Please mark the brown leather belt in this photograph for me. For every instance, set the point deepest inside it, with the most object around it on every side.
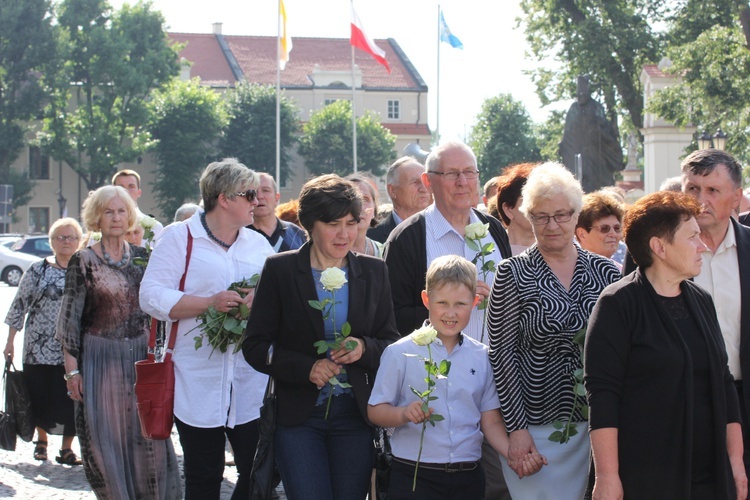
(455, 467)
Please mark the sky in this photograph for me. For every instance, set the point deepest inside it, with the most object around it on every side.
(491, 63)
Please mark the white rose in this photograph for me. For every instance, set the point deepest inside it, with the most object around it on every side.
(332, 279)
(147, 222)
(424, 336)
(476, 231)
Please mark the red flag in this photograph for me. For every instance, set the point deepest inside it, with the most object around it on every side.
(360, 40)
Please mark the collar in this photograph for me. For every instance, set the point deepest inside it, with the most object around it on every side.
(729, 241)
(197, 230)
(440, 225)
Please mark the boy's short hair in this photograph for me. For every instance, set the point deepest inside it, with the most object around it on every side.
(451, 270)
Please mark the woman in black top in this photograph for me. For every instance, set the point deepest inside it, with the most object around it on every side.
(664, 414)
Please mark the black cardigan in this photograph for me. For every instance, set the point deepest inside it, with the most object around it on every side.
(406, 256)
(281, 315)
(638, 376)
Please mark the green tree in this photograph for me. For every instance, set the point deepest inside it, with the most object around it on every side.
(250, 135)
(326, 143)
(186, 121)
(608, 40)
(27, 47)
(715, 87)
(115, 60)
(549, 134)
(502, 136)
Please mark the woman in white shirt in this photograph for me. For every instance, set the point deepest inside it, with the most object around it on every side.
(216, 394)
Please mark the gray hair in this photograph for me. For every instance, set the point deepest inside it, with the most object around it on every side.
(391, 177)
(672, 184)
(97, 201)
(548, 180)
(185, 211)
(226, 177)
(263, 175)
(435, 156)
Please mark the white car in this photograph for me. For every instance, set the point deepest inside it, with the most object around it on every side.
(14, 264)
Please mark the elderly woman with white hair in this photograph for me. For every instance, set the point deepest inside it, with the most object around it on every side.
(540, 300)
(217, 394)
(103, 333)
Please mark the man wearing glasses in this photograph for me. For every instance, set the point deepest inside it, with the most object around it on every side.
(451, 173)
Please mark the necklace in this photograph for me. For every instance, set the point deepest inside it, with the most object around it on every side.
(60, 265)
(210, 234)
(108, 259)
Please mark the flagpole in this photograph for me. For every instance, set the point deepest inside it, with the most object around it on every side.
(278, 100)
(437, 108)
(354, 113)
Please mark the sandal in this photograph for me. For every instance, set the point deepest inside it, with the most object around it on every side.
(40, 451)
(68, 457)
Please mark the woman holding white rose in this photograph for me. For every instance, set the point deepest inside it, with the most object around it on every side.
(323, 451)
(217, 394)
(540, 299)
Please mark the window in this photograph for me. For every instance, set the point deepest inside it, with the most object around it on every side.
(394, 110)
(38, 164)
(38, 219)
(326, 102)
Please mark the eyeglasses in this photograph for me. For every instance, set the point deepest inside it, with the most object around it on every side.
(250, 195)
(453, 175)
(67, 238)
(543, 220)
(606, 228)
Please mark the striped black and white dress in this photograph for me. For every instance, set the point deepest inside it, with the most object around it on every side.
(531, 324)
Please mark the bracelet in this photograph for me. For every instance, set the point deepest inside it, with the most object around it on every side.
(71, 374)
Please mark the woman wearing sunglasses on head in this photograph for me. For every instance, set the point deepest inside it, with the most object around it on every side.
(217, 394)
(38, 300)
(599, 228)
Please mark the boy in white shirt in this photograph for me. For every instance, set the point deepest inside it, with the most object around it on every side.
(449, 466)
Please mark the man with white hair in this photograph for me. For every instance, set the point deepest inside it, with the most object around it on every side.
(281, 235)
(407, 193)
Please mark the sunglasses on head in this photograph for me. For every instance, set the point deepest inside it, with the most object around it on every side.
(250, 195)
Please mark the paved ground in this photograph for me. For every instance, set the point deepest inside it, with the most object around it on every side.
(23, 477)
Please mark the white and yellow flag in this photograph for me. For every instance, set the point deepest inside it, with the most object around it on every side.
(285, 40)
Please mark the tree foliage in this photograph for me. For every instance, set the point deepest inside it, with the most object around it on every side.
(608, 40)
(326, 143)
(503, 135)
(715, 87)
(115, 59)
(549, 134)
(27, 49)
(250, 135)
(186, 120)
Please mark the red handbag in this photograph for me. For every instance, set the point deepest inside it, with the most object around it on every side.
(154, 380)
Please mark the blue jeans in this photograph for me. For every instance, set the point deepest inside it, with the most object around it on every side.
(327, 459)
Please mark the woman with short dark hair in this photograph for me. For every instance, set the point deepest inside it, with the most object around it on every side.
(664, 415)
(599, 227)
(323, 439)
(508, 204)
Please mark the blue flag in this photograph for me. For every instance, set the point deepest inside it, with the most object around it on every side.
(446, 35)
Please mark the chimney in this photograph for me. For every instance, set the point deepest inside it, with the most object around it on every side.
(217, 28)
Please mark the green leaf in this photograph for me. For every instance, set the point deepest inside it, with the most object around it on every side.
(425, 408)
(345, 385)
(350, 345)
(580, 336)
(556, 437)
(244, 311)
(488, 248)
(445, 367)
(488, 266)
(334, 381)
(315, 304)
(557, 424)
(580, 389)
(436, 418)
(346, 329)
(472, 245)
(416, 392)
(321, 346)
(585, 411)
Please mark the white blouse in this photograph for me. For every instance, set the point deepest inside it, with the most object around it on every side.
(211, 390)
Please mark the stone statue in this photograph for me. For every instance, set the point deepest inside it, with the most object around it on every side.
(589, 133)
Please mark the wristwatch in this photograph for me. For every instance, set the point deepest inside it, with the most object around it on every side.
(71, 374)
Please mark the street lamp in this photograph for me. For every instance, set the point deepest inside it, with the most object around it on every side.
(61, 201)
(718, 140)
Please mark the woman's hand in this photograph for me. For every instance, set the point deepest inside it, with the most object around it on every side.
(521, 444)
(9, 350)
(322, 371)
(343, 356)
(75, 387)
(225, 301)
(533, 463)
(609, 487)
(413, 413)
(248, 300)
(740, 478)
